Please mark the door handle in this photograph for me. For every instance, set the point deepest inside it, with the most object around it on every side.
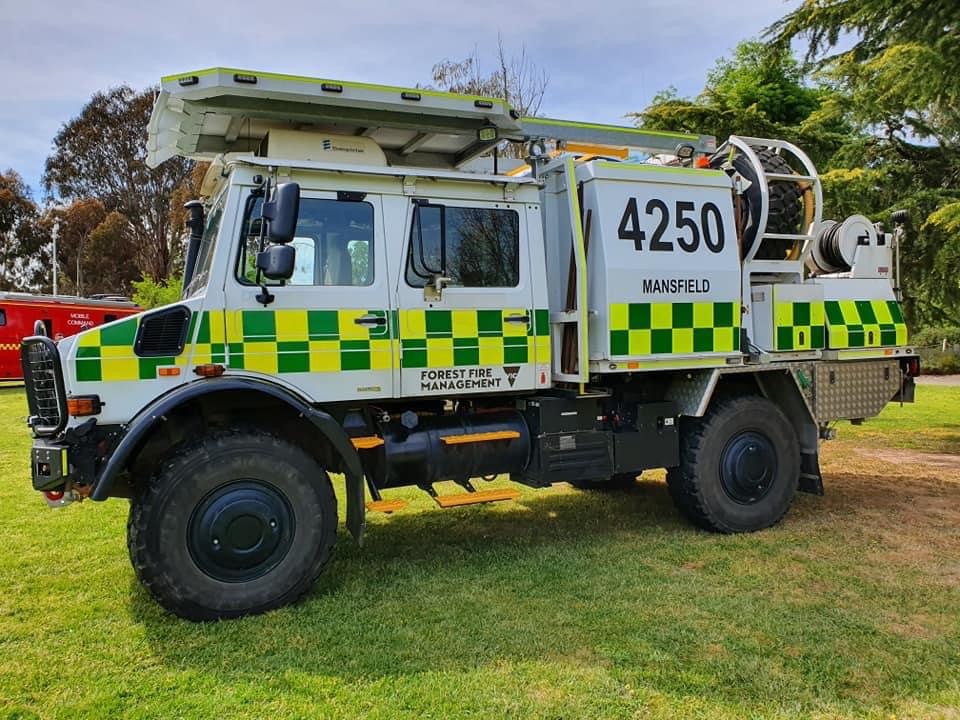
(370, 320)
(525, 318)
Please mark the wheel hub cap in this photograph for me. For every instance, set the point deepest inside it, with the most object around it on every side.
(240, 531)
(748, 467)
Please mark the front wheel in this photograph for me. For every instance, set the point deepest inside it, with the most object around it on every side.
(235, 524)
(739, 466)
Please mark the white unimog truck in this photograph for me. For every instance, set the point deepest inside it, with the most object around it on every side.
(372, 289)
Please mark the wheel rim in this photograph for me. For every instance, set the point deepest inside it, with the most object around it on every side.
(241, 531)
(748, 467)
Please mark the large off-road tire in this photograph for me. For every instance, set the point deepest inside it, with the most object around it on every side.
(237, 523)
(739, 466)
(785, 210)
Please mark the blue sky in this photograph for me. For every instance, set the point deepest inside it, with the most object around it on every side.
(604, 58)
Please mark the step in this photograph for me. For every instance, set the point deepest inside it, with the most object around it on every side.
(479, 437)
(366, 442)
(386, 506)
(475, 498)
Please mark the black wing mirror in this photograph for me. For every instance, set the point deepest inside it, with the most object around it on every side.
(277, 262)
(282, 211)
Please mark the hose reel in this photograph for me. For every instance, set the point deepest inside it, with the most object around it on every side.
(835, 247)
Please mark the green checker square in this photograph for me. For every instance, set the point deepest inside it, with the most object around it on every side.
(122, 334)
(541, 322)
(414, 357)
(513, 341)
(619, 342)
(414, 344)
(703, 339)
(723, 315)
(895, 313)
(817, 337)
(661, 342)
(683, 315)
(784, 338)
(148, 366)
(88, 370)
(293, 346)
(291, 362)
(439, 323)
(735, 333)
(466, 343)
(834, 315)
(888, 335)
(395, 323)
(203, 332)
(88, 353)
(801, 313)
(638, 316)
(355, 355)
(515, 354)
(323, 324)
(259, 325)
(466, 356)
(236, 355)
(855, 336)
(379, 332)
(489, 323)
(866, 313)
(193, 326)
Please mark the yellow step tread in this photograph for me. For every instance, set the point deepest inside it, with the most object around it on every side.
(475, 498)
(386, 506)
(479, 437)
(365, 443)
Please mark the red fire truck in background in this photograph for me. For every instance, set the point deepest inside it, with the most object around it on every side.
(55, 316)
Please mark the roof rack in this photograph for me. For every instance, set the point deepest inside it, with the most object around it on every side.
(204, 113)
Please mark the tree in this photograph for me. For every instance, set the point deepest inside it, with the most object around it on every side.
(148, 293)
(101, 154)
(23, 255)
(516, 79)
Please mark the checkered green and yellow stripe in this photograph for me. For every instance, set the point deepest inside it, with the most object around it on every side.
(864, 323)
(454, 338)
(798, 325)
(106, 354)
(640, 329)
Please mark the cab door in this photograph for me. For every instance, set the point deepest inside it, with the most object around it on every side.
(326, 330)
(466, 317)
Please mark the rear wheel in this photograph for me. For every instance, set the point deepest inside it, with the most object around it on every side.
(739, 466)
(235, 524)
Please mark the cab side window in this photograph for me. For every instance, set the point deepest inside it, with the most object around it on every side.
(333, 243)
(474, 247)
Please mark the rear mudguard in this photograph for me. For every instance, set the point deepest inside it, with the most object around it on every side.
(137, 429)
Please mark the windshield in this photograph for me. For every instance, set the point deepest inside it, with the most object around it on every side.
(207, 244)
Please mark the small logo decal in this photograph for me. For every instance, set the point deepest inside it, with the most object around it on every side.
(511, 371)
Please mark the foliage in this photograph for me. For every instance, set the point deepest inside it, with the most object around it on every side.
(22, 251)
(561, 605)
(149, 293)
(101, 154)
(934, 336)
(937, 362)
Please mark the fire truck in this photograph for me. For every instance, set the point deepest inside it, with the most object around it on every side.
(374, 289)
(56, 316)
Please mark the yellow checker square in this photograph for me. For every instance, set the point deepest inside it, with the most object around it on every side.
(848, 308)
(901, 334)
(491, 351)
(413, 324)
(202, 354)
(380, 354)
(464, 323)
(818, 313)
(395, 350)
(439, 352)
(638, 342)
(216, 322)
(291, 325)
(324, 356)
(703, 315)
(234, 326)
(543, 349)
(120, 368)
(723, 339)
(801, 337)
(619, 317)
(514, 329)
(661, 316)
(682, 340)
(346, 324)
(116, 351)
(839, 336)
(783, 314)
(260, 357)
(89, 339)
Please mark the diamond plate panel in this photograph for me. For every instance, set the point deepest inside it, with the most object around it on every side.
(851, 390)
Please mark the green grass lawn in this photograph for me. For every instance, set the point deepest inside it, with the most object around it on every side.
(563, 604)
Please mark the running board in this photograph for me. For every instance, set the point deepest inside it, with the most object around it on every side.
(386, 506)
(475, 498)
(479, 437)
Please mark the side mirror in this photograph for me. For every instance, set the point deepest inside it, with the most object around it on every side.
(277, 262)
(281, 212)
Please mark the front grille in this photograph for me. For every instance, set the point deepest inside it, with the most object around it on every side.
(162, 333)
(43, 380)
